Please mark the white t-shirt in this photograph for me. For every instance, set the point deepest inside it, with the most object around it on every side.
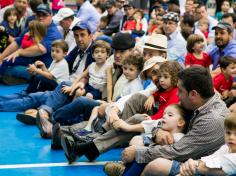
(132, 87)
(59, 70)
(149, 125)
(98, 78)
(222, 159)
(119, 86)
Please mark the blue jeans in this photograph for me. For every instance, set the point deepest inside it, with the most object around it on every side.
(65, 110)
(18, 72)
(19, 61)
(40, 83)
(22, 101)
(76, 111)
(175, 168)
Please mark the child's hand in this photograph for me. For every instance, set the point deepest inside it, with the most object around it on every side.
(2, 29)
(149, 103)
(89, 95)
(147, 117)
(32, 68)
(39, 64)
(225, 94)
(66, 89)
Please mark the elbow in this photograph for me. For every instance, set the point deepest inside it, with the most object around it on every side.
(42, 49)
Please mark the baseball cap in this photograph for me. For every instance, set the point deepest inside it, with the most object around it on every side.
(43, 8)
(63, 13)
(224, 25)
(109, 4)
(82, 25)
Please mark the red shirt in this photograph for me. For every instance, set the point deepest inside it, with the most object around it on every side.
(27, 41)
(131, 25)
(221, 84)
(4, 3)
(165, 99)
(190, 59)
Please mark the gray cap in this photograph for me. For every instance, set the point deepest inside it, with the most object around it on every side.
(224, 25)
(43, 8)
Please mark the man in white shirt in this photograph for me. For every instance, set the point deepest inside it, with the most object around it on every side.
(67, 21)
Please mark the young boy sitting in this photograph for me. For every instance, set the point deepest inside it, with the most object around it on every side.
(223, 81)
(222, 162)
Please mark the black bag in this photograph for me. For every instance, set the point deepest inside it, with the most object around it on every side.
(3, 41)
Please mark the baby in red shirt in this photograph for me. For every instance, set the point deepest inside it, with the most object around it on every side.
(223, 81)
(195, 55)
(36, 33)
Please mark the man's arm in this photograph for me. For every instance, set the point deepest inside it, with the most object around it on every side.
(33, 51)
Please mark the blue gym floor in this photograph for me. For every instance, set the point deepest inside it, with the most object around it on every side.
(24, 153)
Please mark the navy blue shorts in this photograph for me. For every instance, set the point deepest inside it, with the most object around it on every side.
(95, 92)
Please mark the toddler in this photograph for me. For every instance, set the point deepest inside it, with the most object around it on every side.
(196, 55)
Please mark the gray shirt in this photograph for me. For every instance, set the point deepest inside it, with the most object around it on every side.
(205, 135)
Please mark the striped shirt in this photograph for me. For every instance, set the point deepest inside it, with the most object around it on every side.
(205, 135)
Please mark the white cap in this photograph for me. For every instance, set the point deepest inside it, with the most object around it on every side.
(63, 13)
(150, 63)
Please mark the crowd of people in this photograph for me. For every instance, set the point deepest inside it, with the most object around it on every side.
(160, 82)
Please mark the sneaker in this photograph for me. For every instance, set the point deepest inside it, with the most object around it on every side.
(114, 168)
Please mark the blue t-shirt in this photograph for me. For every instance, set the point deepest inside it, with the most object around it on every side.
(14, 32)
(52, 35)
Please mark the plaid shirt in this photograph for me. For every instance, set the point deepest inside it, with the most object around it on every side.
(205, 135)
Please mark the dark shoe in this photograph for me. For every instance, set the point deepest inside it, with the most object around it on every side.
(9, 80)
(89, 149)
(114, 168)
(56, 137)
(26, 119)
(44, 126)
(69, 147)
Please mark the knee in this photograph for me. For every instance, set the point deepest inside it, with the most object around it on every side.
(101, 110)
(136, 140)
(154, 168)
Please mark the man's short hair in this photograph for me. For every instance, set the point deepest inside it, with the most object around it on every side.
(227, 15)
(199, 79)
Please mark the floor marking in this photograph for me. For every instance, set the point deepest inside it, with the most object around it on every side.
(18, 166)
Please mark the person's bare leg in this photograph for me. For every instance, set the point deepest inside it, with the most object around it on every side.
(94, 115)
(159, 166)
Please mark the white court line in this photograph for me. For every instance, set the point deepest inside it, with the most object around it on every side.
(18, 166)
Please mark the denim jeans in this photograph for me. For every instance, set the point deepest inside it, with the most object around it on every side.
(18, 72)
(57, 99)
(22, 101)
(19, 61)
(76, 111)
(65, 110)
